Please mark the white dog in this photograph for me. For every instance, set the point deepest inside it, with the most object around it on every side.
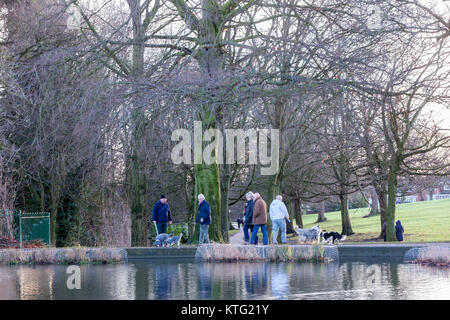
(308, 235)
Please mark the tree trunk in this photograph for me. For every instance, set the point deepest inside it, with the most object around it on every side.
(138, 195)
(290, 225)
(138, 177)
(210, 58)
(345, 217)
(225, 215)
(55, 195)
(321, 216)
(392, 193)
(137, 163)
(298, 213)
(382, 196)
(374, 205)
(271, 194)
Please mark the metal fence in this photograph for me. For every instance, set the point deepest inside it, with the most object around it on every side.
(18, 228)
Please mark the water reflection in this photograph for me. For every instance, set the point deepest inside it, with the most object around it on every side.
(240, 281)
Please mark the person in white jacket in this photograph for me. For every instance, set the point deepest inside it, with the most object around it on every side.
(278, 212)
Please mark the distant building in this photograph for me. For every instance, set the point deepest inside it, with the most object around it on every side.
(439, 193)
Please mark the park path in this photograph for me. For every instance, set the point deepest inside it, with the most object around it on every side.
(238, 238)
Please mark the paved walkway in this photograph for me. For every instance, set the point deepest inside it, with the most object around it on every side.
(238, 238)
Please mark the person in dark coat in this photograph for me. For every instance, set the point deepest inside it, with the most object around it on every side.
(203, 218)
(383, 230)
(161, 215)
(248, 217)
(399, 230)
(239, 221)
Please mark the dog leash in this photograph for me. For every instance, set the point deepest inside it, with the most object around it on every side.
(157, 233)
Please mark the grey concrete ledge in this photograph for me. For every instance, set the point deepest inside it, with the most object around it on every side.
(139, 253)
(381, 251)
(354, 252)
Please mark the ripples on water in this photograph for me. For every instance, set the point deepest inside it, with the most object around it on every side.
(235, 281)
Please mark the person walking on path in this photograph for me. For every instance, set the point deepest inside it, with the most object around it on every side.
(203, 219)
(239, 221)
(161, 215)
(399, 230)
(259, 219)
(248, 216)
(278, 214)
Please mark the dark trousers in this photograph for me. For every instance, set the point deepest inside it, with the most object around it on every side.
(246, 234)
(162, 227)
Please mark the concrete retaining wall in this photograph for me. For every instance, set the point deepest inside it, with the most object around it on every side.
(355, 252)
(373, 251)
(391, 252)
(359, 252)
(161, 253)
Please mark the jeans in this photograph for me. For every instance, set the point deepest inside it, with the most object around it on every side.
(255, 232)
(162, 227)
(277, 225)
(204, 233)
(246, 235)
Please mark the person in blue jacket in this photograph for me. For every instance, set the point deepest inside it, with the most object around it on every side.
(399, 230)
(161, 215)
(203, 219)
(248, 216)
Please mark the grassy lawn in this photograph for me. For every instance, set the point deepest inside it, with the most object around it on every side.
(427, 221)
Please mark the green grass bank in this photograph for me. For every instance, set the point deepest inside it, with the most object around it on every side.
(426, 221)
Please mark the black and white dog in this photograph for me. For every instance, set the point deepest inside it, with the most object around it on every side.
(332, 237)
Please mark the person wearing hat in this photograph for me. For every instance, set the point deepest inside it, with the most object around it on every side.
(161, 215)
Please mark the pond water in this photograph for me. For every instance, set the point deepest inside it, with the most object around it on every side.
(186, 280)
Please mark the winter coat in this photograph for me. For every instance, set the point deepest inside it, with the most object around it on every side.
(399, 230)
(278, 210)
(248, 215)
(161, 212)
(259, 212)
(204, 211)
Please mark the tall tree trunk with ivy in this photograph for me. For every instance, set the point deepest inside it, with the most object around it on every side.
(138, 176)
(392, 198)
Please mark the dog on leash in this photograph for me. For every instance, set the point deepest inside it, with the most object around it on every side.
(174, 240)
(308, 235)
(161, 239)
(332, 237)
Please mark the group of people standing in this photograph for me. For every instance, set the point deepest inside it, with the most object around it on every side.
(255, 217)
(161, 217)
